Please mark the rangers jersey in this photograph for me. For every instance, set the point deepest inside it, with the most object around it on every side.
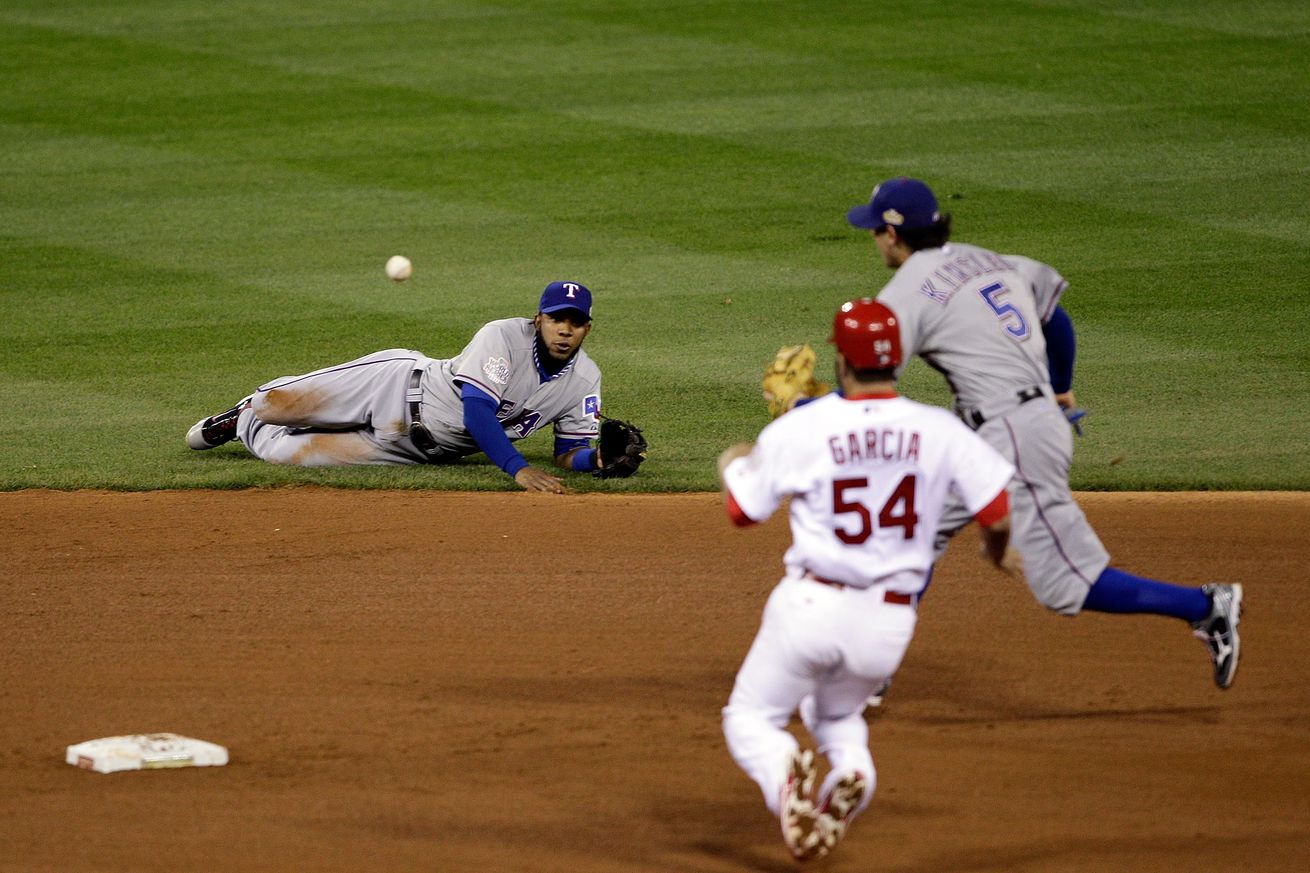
(501, 360)
(977, 317)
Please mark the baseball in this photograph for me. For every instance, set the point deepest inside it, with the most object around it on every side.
(399, 268)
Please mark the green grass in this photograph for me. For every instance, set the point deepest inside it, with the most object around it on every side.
(197, 197)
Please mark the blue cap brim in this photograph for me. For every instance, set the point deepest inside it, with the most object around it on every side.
(584, 313)
(862, 216)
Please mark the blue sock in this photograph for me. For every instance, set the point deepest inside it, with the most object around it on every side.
(1117, 591)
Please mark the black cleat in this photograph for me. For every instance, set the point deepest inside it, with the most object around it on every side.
(217, 429)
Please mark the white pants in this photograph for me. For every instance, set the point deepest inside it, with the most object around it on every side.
(352, 413)
(838, 644)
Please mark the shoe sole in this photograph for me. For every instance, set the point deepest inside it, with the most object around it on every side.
(797, 816)
(841, 804)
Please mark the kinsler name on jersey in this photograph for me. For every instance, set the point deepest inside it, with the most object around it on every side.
(875, 444)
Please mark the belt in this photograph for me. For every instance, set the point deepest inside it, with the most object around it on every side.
(975, 419)
(889, 596)
(418, 434)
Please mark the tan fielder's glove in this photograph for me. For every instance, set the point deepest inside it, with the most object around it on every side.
(789, 377)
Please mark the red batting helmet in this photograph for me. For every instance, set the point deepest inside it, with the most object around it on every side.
(868, 335)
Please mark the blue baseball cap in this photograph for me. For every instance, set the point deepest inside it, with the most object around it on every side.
(901, 202)
(566, 295)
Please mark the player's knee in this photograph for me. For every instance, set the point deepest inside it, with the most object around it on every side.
(284, 406)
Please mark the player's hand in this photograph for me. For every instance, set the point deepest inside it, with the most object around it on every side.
(1075, 415)
(1009, 562)
(533, 479)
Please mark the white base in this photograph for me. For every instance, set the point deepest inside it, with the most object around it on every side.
(145, 752)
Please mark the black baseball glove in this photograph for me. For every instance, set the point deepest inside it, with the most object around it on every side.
(620, 449)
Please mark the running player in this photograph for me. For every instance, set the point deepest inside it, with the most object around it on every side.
(992, 324)
(868, 474)
(399, 406)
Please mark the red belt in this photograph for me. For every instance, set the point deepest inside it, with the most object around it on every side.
(889, 596)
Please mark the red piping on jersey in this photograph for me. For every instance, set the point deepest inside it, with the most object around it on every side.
(993, 512)
(735, 513)
(873, 395)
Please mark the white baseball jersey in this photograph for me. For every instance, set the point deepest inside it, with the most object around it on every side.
(868, 479)
(977, 317)
(501, 360)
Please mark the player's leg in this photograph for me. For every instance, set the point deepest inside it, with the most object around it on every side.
(842, 737)
(767, 689)
(1062, 554)
(873, 635)
(1213, 611)
(279, 444)
(764, 695)
(365, 392)
(1065, 564)
(349, 414)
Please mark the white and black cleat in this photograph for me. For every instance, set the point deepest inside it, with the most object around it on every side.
(1219, 631)
(209, 433)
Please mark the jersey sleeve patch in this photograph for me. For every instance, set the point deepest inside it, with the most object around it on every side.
(591, 405)
(497, 370)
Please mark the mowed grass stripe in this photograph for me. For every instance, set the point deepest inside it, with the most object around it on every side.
(259, 165)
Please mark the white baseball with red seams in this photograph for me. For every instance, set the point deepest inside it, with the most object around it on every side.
(868, 477)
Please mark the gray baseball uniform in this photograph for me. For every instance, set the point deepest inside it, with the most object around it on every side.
(399, 406)
(988, 322)
(976, 316)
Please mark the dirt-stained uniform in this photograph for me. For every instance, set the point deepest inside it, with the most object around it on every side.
(399, 406)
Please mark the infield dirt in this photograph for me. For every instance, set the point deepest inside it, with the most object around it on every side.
(496, 682)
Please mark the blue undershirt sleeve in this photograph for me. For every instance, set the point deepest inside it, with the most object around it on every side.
(481, 423)
(584, 461)
(1060, 349)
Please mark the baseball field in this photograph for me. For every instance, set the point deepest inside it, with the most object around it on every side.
(424, 669)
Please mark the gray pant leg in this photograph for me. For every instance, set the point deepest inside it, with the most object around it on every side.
(1062, 554)
(349, 414)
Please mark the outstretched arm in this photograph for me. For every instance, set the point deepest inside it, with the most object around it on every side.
(481, 423)
(575, 454)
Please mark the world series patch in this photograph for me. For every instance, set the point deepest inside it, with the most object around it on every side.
(497, 370)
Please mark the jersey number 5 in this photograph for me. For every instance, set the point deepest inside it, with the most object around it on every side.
(898, 511)
(1006, 313)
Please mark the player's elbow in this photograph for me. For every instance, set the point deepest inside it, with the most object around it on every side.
(736, 514)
